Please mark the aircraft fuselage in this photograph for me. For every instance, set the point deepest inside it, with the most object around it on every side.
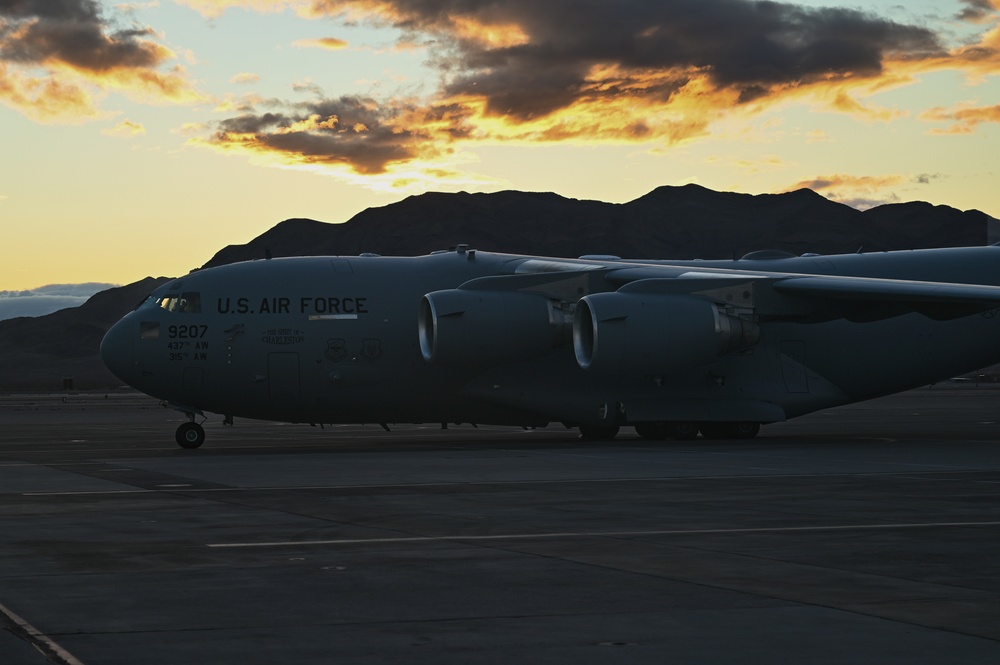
(475, 337)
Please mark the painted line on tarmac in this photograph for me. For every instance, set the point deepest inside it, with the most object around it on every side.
(598, 534)
(543, 481)
(38, 639)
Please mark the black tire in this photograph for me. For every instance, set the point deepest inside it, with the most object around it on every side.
(190, 435)
(744, 430)
(731, 430)
(716, 430)
(682, 430)
(598, 432)
(652, 431)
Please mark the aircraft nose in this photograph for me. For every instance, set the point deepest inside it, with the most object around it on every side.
(117, 352)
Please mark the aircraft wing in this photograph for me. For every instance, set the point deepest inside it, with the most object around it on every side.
(893, 290)
(827, 297)
(805, 296)
(869, 299)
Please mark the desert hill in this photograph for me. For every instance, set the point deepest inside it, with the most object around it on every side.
(670, 222)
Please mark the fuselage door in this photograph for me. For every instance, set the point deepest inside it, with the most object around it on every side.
(283, 376)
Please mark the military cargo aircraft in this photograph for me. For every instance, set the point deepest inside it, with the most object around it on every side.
(672, 348)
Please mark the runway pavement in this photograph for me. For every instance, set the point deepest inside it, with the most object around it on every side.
(865, 534)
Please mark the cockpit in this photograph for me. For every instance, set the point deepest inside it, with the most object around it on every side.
(187, 302)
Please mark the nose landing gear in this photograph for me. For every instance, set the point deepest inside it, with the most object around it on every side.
(190, 435)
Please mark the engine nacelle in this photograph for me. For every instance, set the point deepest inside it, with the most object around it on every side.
(478, 328)
(635, 333)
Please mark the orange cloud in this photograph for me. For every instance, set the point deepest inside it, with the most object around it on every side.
(329, 43)
(244, 78)
(965, 118)
(352, 133)
(125, 129)
(47, 98)
(54, 60)
(836, 180)
(489, 35)
(562, 71)
(242, 104)
(215, 8)
(860, 192)
(525, 60)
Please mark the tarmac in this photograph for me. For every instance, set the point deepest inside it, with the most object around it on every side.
(864, 534)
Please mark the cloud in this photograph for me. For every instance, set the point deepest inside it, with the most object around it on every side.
(12, 308)
(244, 78)
(55, 56)
(927, 178)
(965, 118)
(350, 131)
(84, 290)
(328, 43)
(861, 192)
(560, 70)
(215, 8)
(527, 59)
(836, 180)
(817, 136)
(631, 71)
(125, 129)
(47, 299)
(978, 11)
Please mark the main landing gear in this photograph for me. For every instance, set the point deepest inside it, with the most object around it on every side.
(679, 430)
(598, 432)
(686, 431)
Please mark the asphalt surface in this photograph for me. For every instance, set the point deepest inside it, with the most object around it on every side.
(866, 534)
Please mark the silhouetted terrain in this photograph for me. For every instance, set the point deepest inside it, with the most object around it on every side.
(669, 222)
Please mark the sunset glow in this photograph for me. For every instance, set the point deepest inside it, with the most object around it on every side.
(155, 133)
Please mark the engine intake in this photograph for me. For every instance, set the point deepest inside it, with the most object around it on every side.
(633, 333)
(481, 328)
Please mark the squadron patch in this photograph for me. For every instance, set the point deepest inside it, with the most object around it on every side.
(336, 349)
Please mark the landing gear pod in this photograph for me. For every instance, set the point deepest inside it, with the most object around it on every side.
(631, 333)
(480, 328)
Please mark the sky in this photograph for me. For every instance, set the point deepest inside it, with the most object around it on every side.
(139, 138)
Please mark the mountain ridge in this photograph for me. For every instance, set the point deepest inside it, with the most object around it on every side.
(685, 222)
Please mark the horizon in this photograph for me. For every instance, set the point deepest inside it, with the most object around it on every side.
(146, 137)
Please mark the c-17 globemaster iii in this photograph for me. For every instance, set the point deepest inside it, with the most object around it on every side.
(672, 348)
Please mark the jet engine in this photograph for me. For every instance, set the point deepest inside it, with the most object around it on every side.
(478, 328)
(635, 333)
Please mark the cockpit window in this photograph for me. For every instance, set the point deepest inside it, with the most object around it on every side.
(188, 302)
(167, 302)
(148, 301)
